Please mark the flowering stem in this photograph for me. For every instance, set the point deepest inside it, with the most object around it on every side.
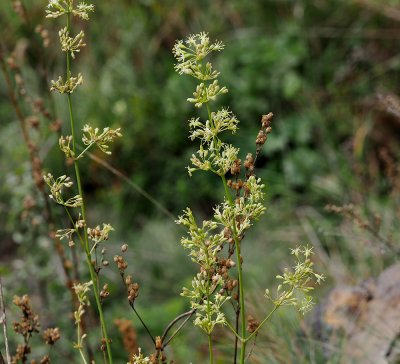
(210, 349)
(93, 276)
(240, 276)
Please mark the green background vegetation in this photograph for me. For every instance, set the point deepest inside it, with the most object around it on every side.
(328, 70)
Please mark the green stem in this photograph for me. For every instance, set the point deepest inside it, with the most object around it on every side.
(80, 342)
(93, 275)
(84, 151)
(262, 323)
(233, 330)
(210, 349)
(240, 276)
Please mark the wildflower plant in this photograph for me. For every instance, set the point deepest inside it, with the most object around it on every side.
(216, 244)
(89, 238)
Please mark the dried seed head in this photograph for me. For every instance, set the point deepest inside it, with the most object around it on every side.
(249, 162)
(158, 343)
(104, 293)
(231, 284)
(227, 232)
(252, 324)
(230, 263)
(266, 120)
(51, 335)
(121, 263)
(133, 291)
(261, 137)
(235, 169)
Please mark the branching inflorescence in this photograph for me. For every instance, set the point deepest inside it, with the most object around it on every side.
(90, 238)
(215, 245)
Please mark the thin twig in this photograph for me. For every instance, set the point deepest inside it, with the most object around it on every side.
(3, 320)
(237, 313)
(188, 315)
(142, 322)
(175, 320)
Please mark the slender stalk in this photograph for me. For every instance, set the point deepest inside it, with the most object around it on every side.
(80, 343)
(178, 329)
(84, 151)
(240, 276)
(210, 349)
(93, 275)
(142, 322)
(237, 313)
(187, 314)
(261, 324)
(233, 331)
(3, 320)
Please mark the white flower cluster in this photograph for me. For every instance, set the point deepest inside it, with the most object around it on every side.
(218, 159)
(102, 140)
(204, 245)
(191, 52)
(56, 187)
(56, 8)
(68, 86)
(205, 93)
(213, 155)
(65, 146)
(69, 44)
(296, 283)
(245, 210)
(221, 120)
(206, 302)
(98, 235)
(139, 358)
